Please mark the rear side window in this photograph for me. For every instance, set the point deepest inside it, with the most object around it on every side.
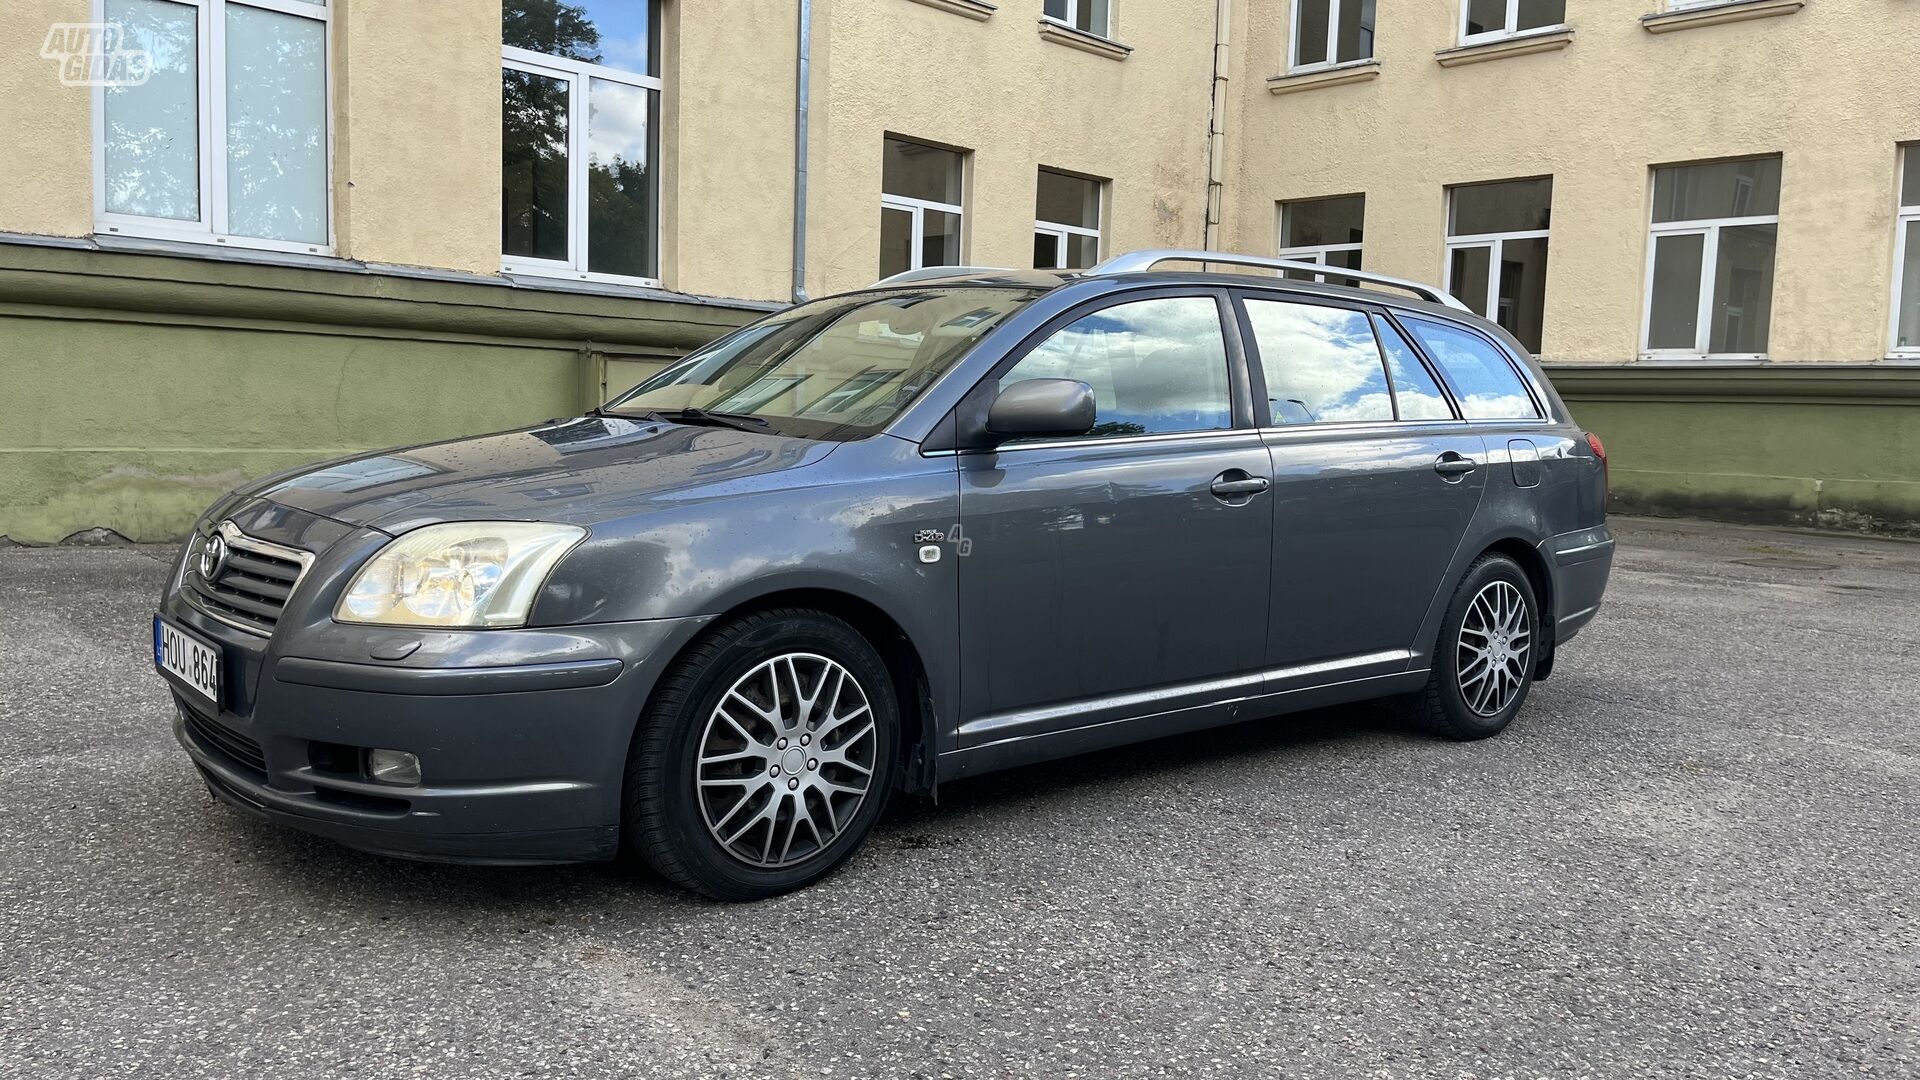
(1414, 392)
(1481, 376)
(1156, 366)
(1321, 363)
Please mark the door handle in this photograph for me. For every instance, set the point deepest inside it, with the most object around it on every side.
(1245, 485)
(1455, 465)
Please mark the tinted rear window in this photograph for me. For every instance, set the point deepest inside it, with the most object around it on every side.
(1483, 379)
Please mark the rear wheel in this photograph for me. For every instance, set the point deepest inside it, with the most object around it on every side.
(1483, 663)
(765, 757)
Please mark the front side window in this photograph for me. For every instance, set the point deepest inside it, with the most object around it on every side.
(227, 140)
(1088, 15)
(1906, 276)
(1482, 378)
(1710, 280)
(1489, 20)
(1324, 231)
(1156, 366)
(1497, 252)
(1066, 226)
(920, 206)
(1329, 32)
(580, 136)
(838, 368)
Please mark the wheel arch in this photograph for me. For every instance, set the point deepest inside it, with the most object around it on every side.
(906, 667)
(1540, 576)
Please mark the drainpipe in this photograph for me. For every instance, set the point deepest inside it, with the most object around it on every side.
(803, 92)
(1217, 121)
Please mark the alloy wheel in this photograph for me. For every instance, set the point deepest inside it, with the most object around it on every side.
(786, 760)
(1496, 640)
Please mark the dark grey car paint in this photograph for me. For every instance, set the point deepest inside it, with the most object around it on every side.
(1086, 593)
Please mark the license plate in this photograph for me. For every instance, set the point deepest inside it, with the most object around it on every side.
(191, 659)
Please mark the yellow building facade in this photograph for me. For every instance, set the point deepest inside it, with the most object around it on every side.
(370, 222)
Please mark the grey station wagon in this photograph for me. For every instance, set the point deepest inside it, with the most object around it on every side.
(958, 521)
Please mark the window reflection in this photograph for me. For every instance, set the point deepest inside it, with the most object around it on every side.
(1321, 363)
(1482, 378)
(1154, 365)
(276, 125)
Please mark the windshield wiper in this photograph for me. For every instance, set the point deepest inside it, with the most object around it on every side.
(691, 415)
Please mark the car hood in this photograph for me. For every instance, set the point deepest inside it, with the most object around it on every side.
(580, 471)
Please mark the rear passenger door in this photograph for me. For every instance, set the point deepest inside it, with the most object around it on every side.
(1375, 481)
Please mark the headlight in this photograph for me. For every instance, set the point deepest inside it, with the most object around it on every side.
(463, 574)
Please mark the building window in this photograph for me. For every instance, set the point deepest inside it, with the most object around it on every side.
(580, 125)
(1088, 15)
(1324, 231)
(1906, 266)
(1710, 267)
(920, 211)
(1066, 226)
(227, 140)
(1330, 32)
(1490, 20)
(1497, 252)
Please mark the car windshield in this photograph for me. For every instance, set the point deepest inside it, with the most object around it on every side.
(840, 368)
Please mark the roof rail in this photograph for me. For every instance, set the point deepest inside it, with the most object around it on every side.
(1138, 261)
(930, 273)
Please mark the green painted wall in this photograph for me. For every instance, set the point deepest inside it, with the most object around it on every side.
(134, 390)
(1828, 446)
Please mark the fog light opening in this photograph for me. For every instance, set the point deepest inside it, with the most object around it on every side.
(393, 767)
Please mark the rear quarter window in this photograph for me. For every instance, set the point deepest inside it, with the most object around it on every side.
(1483, 379)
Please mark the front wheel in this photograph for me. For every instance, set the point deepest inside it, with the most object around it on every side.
(1483, 664)
(765, 757)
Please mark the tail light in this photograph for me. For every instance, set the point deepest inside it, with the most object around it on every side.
(1600, 451)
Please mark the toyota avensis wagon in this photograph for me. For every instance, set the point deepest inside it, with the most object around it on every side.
(958, 521)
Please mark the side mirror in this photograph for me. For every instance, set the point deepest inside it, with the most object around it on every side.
(1042, 407)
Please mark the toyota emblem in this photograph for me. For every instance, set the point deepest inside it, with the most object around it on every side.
(213, 558)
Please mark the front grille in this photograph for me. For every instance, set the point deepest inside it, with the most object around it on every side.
(236, 749)
(249, 587)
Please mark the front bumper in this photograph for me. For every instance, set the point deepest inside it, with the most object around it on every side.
(522, 735)
(507, 777)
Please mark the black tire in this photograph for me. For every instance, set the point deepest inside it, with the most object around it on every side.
(664, 820)
(1443, 707)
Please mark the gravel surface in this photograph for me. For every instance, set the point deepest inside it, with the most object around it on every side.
(1697, 853)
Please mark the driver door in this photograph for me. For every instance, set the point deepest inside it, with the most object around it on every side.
(1126, 571)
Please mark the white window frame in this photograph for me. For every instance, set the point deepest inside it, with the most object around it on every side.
(1496, 242)
(1060, 231)
(1334, 10)
(1904, 216)
(579, 77)
(918, 208)
(1709, 272)
(1073, 13)
(1506, 31)
(210, 32)
(1313, 253)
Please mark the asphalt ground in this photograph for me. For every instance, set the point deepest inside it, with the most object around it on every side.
(1696, 853)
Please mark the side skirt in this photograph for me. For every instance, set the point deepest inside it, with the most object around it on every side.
(1025, 750)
